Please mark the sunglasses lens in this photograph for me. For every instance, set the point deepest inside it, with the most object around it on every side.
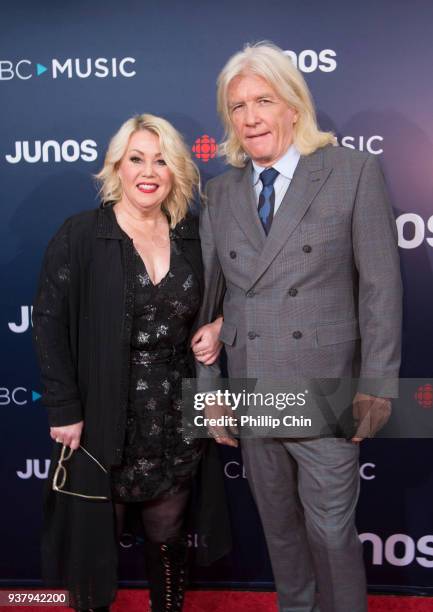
(60, 474)
(67, 454)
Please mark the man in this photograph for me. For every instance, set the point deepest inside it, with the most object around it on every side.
(300, 239)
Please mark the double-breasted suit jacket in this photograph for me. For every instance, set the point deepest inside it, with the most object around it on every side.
(320, 296)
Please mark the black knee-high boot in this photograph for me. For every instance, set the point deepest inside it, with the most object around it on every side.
(166, 570)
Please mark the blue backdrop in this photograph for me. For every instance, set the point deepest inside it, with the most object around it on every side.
(70, 74)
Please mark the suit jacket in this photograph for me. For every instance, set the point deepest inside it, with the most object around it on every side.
(321, 295)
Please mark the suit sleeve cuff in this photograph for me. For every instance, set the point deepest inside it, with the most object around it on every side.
(379, 387)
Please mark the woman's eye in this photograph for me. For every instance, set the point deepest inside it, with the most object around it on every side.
(161, 162)
(135, 159)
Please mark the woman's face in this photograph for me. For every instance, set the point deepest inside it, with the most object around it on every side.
(145, 177)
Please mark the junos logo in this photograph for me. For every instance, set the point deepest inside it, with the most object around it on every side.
(53, 151)
(81, 68)
(309, 60)
(33, 468)
(371, 144)
(24, 324)
(234, 469)
(399, 549)
(411, 230)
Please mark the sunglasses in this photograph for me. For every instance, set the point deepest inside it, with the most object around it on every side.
(60, 474)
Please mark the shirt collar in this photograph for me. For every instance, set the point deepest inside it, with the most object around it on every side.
(286, 165)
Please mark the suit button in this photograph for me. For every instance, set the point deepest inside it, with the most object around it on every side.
(297, 335)
(252, 335)
(293, 292)
(251, 294)
(307, 248)
(233, 254)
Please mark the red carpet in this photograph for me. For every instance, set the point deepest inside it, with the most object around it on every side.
(239, 601)
(135, 600)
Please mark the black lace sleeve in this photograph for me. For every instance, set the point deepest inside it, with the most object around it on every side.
(51, 333)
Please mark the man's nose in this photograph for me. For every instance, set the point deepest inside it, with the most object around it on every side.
(251, 117)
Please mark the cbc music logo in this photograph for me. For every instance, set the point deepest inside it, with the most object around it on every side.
(235, 469)
(205, 148)
(194, 540)
(24, 321)
(19, 396)
(81, 68)
(424, 395)
(399, 549)
(371, 144)
(309, 60)
(33, 468)
(411, 229)
(53, 151)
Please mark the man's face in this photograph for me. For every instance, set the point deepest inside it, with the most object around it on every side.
(261, 119)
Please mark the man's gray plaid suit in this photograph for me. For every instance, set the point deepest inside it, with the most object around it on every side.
(320, 296)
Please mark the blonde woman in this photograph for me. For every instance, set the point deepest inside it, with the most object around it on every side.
(114, 316)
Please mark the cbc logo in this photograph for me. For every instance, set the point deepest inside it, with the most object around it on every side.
(33, 468)
(205, 148)
(310, 61)
(19, 396)
(234, 469)
(53, 151)
(25, 321)
(81, 68)
(400, 549)
(363, 143)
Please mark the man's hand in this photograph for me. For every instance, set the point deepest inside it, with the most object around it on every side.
(69, 435)
(370, 414)
(205, 343)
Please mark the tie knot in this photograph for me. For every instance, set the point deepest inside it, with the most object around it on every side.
(268, 176)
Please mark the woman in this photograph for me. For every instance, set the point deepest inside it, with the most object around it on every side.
(115, 312)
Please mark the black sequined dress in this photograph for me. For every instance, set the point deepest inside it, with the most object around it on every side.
(158, 458)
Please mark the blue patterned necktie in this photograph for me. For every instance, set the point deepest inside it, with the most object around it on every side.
(267, 198)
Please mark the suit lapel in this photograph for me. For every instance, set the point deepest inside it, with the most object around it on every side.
(244, 207)
(308, 179)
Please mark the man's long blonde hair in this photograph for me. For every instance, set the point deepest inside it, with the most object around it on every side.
(268, 61)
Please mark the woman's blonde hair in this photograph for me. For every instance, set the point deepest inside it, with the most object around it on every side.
(176, 154)
(268, 61)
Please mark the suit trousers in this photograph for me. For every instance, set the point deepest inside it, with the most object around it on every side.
(306, 492)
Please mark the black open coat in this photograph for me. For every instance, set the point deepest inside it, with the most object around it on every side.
(82, 319)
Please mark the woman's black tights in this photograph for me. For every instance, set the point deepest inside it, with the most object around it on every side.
(163, 518)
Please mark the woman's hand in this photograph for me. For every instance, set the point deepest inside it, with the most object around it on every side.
(205, 343)
(69, 435)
